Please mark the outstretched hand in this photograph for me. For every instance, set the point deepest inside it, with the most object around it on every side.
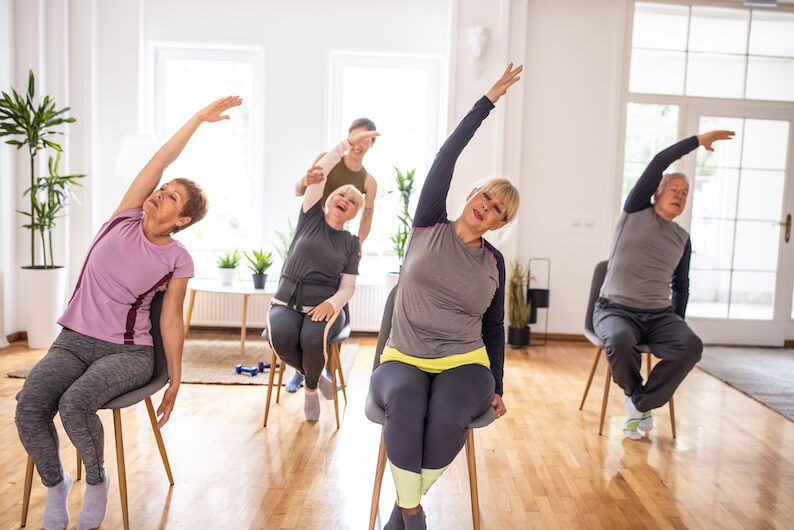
(215, 110)
(706, 139)
(509, 77)
(362, 136)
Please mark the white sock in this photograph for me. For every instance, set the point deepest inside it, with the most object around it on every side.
(95, 502)
(632, 421)
(326, 386)
(311, 404)
(56, 512)
(646, 421)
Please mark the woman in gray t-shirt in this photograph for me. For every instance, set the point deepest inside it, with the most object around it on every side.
(318, 279)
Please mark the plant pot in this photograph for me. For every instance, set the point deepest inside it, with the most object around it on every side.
(518, 337)
(45, 295)
(539, 297)
(226, 276)
(259, 280)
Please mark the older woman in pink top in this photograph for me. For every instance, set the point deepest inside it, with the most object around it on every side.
(105, 348)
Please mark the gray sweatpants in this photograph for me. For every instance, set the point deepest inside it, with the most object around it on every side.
(78, 375)
(669, 338)
(298, 340)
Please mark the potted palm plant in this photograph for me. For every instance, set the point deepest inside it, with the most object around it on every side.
(519, 307)
(227, 267)
(33, 124)
(258, 264)
(404, 188)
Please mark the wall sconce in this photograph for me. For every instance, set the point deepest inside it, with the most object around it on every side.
(478, 44)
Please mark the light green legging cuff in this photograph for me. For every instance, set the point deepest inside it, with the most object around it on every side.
(411, 486)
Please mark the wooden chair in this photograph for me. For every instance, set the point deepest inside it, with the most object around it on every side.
(377, 415)
(333, 349)
(144, 393)
(595, 287)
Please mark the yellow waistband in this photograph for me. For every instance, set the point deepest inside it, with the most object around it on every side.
(436, 366)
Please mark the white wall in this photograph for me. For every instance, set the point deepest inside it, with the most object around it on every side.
(7, 189)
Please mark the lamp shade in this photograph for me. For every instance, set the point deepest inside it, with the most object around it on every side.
(136, 150)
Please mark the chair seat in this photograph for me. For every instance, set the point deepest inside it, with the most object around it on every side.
(343, 334)
(139, 394)
(376, 414)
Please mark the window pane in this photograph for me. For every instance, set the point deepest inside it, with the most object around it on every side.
(712, 243)
(772, 33)
(756, 245)
(708, 293)
(660, 26)
(725, 154)
(657, 72)
(714, 193)
(765, 144)
(718, 30)
(760, 195)
(649, 129)
(770, 78)
(715, 75)
(752, 295)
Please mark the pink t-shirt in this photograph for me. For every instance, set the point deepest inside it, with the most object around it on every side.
(121, 274)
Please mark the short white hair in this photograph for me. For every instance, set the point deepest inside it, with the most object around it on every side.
(343, 189)
(667, 177)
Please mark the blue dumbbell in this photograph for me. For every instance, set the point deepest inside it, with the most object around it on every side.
(240, 369)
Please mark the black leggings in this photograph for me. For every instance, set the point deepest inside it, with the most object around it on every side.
(427, 416)
(298, 340)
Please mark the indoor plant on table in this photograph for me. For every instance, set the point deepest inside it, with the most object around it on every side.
(258, 264)
(227, 267)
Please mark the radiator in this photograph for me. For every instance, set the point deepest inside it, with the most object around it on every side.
(225, 310)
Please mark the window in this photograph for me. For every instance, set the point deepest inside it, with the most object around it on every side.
(714, 52)
(402, 96)
(220, 157)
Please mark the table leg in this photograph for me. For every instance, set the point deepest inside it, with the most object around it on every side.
(242, 328)
(190, 300)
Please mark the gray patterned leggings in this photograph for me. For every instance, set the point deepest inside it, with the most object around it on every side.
(78, 375)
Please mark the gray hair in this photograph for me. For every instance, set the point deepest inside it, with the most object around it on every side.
(667, 177)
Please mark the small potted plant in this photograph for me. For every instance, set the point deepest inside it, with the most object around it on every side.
(227, 266)
(404, 184)
(519, 307)
(258, 265)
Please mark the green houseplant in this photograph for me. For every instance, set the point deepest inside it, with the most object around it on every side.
(405, 188)
(33, 124)
(519, 307)
(227, 267)
(259, 263)
(285, 240)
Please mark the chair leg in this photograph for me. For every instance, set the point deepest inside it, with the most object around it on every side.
(333, 386)
(338, 356)
(122, 468)
(379, 469)
(590, 378)
(159, 437)
(648, 366)
(26, 491)
(475, 496)
(672, 415)
(607, 381)
(269, 388)
(79, 465)
(280, 374)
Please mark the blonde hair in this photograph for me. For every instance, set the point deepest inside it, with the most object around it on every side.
(506, 192)
(343, 189)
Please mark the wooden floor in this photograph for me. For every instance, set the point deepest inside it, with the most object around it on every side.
(541, 466)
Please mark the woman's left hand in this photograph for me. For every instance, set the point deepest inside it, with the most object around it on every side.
(215, 110)
(498, 405)
(167, 405)
(323, 311)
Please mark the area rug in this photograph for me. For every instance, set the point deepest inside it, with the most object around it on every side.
(210, 358)
(764, 374)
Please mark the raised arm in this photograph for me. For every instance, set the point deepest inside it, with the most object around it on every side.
(370, 192)
(640, 195)
(326, 163)
(313, 175)
(149, 177)
(431, 208)
(681, 282)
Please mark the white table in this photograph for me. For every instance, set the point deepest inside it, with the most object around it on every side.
(241, 288)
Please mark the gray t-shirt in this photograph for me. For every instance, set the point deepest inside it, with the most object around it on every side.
(317, 258)
(646, 250)
(445, 288)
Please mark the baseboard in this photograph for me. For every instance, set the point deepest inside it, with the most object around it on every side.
(17, 335)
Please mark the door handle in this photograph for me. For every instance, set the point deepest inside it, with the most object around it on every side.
(787, 224)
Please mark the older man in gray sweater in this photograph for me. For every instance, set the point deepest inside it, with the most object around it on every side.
(644, 295)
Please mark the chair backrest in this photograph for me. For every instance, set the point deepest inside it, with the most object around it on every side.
(599, 273)
(160, 363)
(385, 327)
